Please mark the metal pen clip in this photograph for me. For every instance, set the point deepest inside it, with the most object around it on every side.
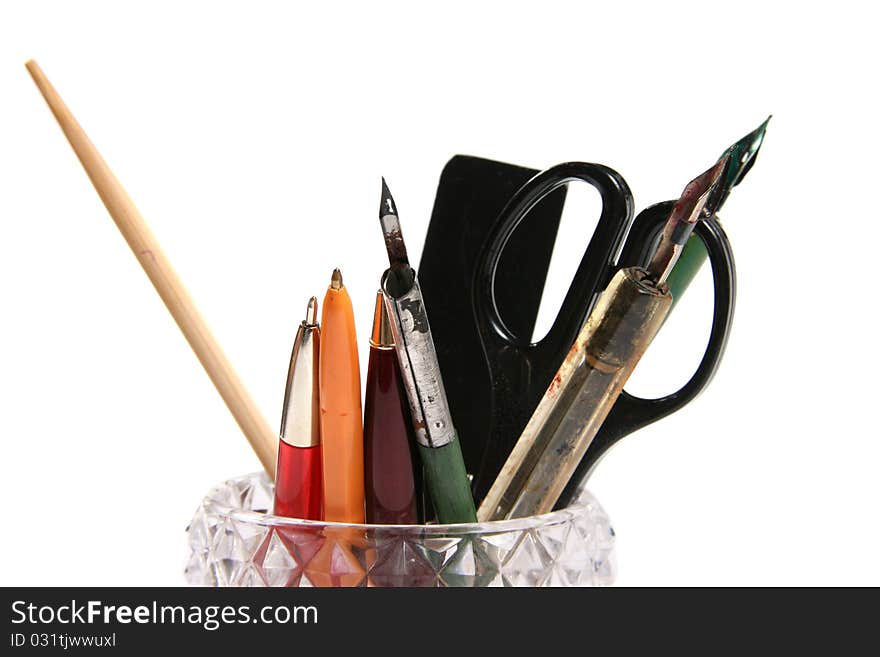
(301, 414)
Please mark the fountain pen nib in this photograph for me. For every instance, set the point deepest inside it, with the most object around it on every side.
(743, 154)
(742, 157)
(391, 230)
(387, 205)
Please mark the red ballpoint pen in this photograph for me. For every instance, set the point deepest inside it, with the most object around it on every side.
(298, 475)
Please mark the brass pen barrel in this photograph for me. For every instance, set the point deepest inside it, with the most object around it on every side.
(623, 323)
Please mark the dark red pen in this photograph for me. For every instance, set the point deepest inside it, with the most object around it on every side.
(298, 475)
(392, 470)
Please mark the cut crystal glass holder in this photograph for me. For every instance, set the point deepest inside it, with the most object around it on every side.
(233, 541)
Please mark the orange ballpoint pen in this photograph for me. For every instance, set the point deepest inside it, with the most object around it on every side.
(342, 430)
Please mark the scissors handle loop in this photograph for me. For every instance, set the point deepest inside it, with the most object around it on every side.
(602, 251)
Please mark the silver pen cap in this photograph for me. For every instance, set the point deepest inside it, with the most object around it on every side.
(301, 415)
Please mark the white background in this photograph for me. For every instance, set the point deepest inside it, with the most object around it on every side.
(252, 137)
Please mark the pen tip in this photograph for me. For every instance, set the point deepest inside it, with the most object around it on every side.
(312, 311)
(744, 151)
(336, 279)
(402, 274)
(381, 334)
(742, 155)
(386, 205)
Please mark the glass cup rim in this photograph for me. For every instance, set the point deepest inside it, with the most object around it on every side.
(221, 508)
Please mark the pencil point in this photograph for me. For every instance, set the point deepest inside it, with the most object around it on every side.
(336, 280)
(312, 311)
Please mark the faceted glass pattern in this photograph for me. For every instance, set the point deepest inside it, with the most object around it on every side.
(234, 542)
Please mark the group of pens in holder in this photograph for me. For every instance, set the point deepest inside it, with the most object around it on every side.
(377, 472)
(333, 467)
(551, 408)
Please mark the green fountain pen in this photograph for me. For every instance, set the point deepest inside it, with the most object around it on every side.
(439, 449)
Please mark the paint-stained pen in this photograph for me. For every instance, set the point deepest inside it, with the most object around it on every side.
(619, 329)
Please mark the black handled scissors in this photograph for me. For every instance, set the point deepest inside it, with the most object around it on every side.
(520, 371)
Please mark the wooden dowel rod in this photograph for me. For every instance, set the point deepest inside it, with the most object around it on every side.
(262, 438)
